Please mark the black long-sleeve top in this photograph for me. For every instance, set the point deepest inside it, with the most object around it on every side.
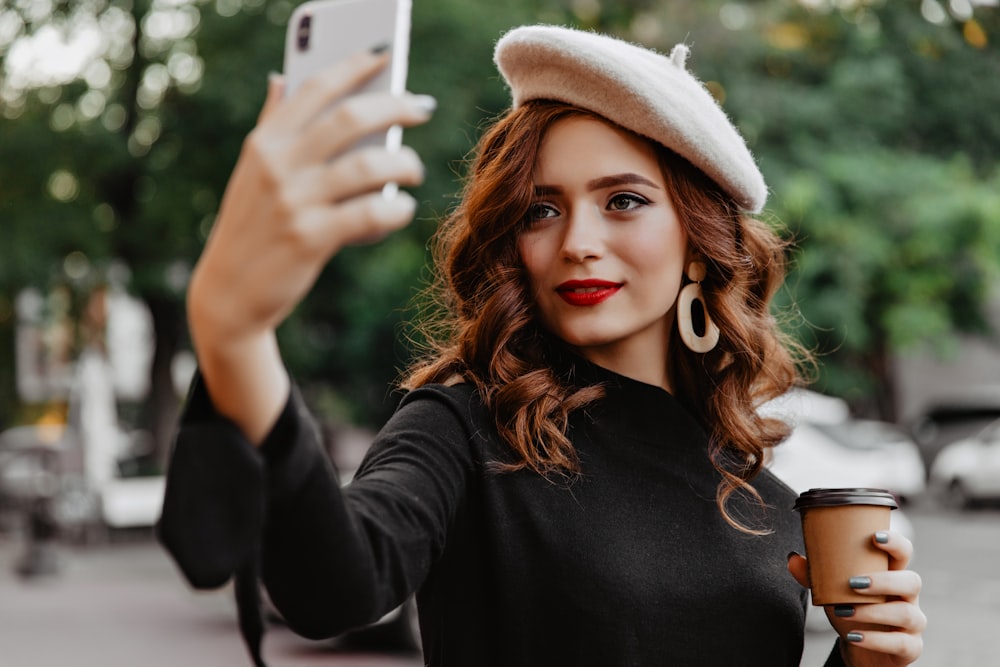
(631, 563)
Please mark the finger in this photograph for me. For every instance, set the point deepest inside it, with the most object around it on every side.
(321, 91)
(899, 548)
(357, 117)
(798, 567)
(906, 616)
(358, 172)
(905, 584)
(359, 220)
(904, 646)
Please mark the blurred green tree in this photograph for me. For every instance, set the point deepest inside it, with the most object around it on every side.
(873, 122)
(121, 154)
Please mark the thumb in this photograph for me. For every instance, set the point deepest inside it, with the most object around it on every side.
(275, 92)
(798, 567)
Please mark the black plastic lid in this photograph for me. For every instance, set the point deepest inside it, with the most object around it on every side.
(836, 497)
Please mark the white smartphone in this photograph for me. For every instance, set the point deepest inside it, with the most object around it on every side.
(321, 32)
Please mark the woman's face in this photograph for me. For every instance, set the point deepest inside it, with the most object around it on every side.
(604, 249)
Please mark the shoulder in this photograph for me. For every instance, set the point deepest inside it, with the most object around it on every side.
(461, 400)
(774, 489)
(778, 496)
(452, 413)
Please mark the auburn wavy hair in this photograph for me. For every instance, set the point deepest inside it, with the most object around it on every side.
(479, 323)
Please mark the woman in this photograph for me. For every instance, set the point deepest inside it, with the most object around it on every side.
(575, 476)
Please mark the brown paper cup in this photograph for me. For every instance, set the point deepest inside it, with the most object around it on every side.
(837, 525)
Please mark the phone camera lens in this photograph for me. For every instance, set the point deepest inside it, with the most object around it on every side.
(302, 35)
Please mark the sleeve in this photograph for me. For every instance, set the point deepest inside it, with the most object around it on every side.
(337, 558)
(331, 558)
(213, 505)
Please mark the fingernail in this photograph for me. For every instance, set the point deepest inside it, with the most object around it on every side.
(882, 537)
(854, 637)
(792, 553)
(426, 103)
(275, 84)
(843, 610)
(859, 582)
(380, 48)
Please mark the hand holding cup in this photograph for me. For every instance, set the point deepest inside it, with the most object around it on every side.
(856, 569)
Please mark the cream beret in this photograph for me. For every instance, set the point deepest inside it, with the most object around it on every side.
(636, 88)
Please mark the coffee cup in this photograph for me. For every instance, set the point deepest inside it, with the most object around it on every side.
(838, 525)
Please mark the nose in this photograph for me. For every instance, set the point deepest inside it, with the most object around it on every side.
(583, 237)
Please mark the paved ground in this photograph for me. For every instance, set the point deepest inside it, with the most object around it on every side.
(958, 558)
(124, 605)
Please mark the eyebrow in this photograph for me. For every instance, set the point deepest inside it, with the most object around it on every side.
(602, 182)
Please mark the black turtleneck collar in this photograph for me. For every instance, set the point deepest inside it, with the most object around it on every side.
(630, 407)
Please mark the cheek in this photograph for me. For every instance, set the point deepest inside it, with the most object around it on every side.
(531, 253)
(661, 254)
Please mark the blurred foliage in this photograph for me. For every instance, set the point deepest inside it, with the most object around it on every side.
(873, 129)
(874, 123)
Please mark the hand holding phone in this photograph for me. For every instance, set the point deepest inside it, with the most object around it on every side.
(322, 32)
(296, 198)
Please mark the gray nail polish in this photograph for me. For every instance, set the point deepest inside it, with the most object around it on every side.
(854, 637)
(882, 537)
(843, 610)
(859, 582)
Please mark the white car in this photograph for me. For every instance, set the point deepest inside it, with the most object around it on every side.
(828, 448)
(891, 455)
(967, 471)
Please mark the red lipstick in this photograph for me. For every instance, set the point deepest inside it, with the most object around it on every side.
(587, 292)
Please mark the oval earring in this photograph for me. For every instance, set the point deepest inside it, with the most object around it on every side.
(686, 300)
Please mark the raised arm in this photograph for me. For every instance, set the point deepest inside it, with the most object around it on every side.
(297, 195)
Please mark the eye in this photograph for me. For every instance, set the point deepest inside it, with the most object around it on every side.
(541, 211)
(626, 201)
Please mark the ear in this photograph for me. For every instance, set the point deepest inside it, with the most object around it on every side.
(692, 254)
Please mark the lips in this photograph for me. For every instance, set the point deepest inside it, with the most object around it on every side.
(587, 292)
